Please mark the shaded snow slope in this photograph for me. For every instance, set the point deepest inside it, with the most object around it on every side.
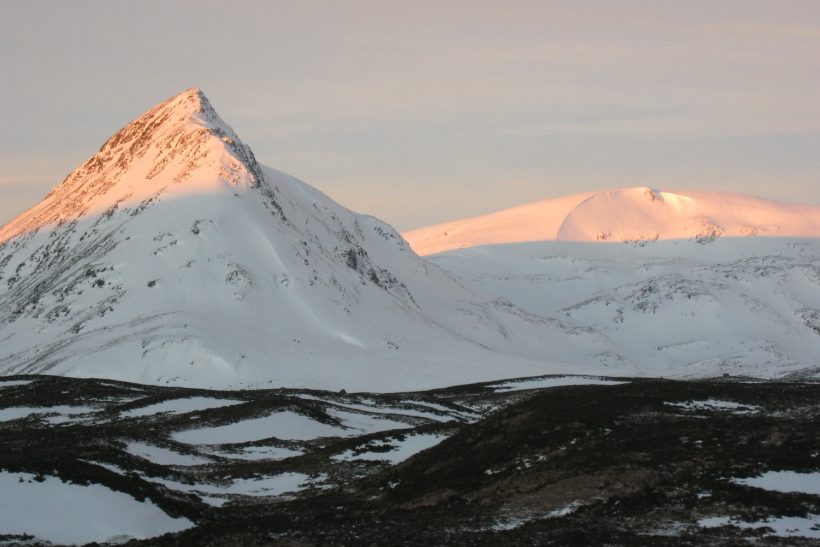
(671, 308)
(172, 256)
(626, 215)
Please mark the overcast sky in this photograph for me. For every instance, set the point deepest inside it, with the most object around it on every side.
(420, 112)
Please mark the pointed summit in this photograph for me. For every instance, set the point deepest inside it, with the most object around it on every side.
(171, 256)
(179, 146)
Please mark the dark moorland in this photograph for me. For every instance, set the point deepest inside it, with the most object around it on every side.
(638, 463)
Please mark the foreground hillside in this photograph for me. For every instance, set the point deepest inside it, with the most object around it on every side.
(548, 461)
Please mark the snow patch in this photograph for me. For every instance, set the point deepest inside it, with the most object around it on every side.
(258, 453)
(716, 405)
(808, 527)
(65, 513)
(63, 413)
(785, 481)
(397, 450)
(11, 383)
(163, 456)
(270, 485)
(540, 383)
(180, 406)
(285, 425)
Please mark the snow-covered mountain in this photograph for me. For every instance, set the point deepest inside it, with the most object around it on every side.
(670, 284)
(172, 256)
(624, 215)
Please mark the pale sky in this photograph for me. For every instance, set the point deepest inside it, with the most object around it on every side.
(421, 112)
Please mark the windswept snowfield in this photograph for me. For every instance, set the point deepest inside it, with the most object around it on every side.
(546, 460)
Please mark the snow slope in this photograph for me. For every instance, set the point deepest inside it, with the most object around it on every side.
(676, 308)
(537, 221)
(667, 284)
(172, 256)
(625, 215)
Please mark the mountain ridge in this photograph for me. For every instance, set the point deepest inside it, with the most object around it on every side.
(634, 214)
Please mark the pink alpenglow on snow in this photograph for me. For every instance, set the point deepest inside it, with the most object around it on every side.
(628, 214)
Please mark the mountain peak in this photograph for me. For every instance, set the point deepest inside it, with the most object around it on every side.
(179, 145)
(187, 112)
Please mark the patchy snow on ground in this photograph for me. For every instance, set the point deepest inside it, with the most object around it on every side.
(289, 426)
(778, 481)
(213, 493)
(11, 383)
(180, 406)
(272, 485)
(553, 381)
(163, 456)
(286, 425)
(466, 414)
(808, 527)
(715, 404)
(359, 423)
(66, 513)
(511, 523)
(386, 409)
(785, 481)
(400, 449)
(64, 412)
(258, 453)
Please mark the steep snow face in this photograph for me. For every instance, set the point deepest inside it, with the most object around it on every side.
(172, 256)
(627, 215)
